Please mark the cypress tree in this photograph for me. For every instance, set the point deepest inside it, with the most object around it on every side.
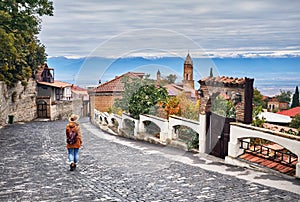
(211, 73)
(295, 102)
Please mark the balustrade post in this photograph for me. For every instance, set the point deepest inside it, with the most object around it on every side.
(202, 133)
(298, 169)
(234, 149)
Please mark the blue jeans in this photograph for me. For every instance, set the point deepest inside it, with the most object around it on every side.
(73, 155)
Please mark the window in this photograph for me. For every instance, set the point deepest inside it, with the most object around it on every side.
(59, 93)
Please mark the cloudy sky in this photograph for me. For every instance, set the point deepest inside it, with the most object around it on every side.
(218, 27)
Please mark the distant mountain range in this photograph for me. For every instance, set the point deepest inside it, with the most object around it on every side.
(270, 74)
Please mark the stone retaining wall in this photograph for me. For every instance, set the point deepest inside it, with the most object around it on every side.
(18, 101)
(62, 110)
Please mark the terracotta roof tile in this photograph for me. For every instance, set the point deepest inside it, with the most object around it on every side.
(116, 84)
(265, 97)
(77, 88)
(175, 89)
(290, 112)
(56, 84)
(223, 80)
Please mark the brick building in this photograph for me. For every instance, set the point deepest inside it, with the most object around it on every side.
(273, 104)
(188, 68)
(102, 97)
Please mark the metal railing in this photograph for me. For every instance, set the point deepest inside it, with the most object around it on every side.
(284, 157)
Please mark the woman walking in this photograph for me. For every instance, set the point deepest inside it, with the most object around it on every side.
(74, 140)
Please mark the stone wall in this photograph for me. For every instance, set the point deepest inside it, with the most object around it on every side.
(63, 109)
(18, 101)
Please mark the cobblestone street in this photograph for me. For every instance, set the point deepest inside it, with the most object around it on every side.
(33, 168)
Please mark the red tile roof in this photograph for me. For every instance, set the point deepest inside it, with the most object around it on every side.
(77, 88)
(56, 84)
(175, 89)
(290, 112)
(265, 98)
(223, 80)
(273, 99)
(278, 128)
(116, 84)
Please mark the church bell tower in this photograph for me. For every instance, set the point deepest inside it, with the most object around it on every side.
(188, 78)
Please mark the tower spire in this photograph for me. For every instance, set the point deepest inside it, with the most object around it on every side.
(188, 78)
(188, 59)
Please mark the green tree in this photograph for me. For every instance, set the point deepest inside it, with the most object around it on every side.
(284, 96)
(256, 120)
(188, 108)
(139, 96)
(295, 100)
(258, 99)
(211, 73)
(131, 85)
(171, 78)
(145, 98)
(20, 50)
(295, 123)
(224, 107)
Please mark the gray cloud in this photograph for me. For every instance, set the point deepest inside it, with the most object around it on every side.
(78, 27)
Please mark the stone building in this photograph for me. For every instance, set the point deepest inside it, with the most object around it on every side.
(48, 87)
(239, 90)
(54, 98)
(81, 93)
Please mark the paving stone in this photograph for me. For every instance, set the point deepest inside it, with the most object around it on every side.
(33, 168)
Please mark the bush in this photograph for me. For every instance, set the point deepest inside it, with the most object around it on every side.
(295, 123)
(256, 120)
(189, 136)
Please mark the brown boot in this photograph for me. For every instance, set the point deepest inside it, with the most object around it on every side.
(72, 166)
